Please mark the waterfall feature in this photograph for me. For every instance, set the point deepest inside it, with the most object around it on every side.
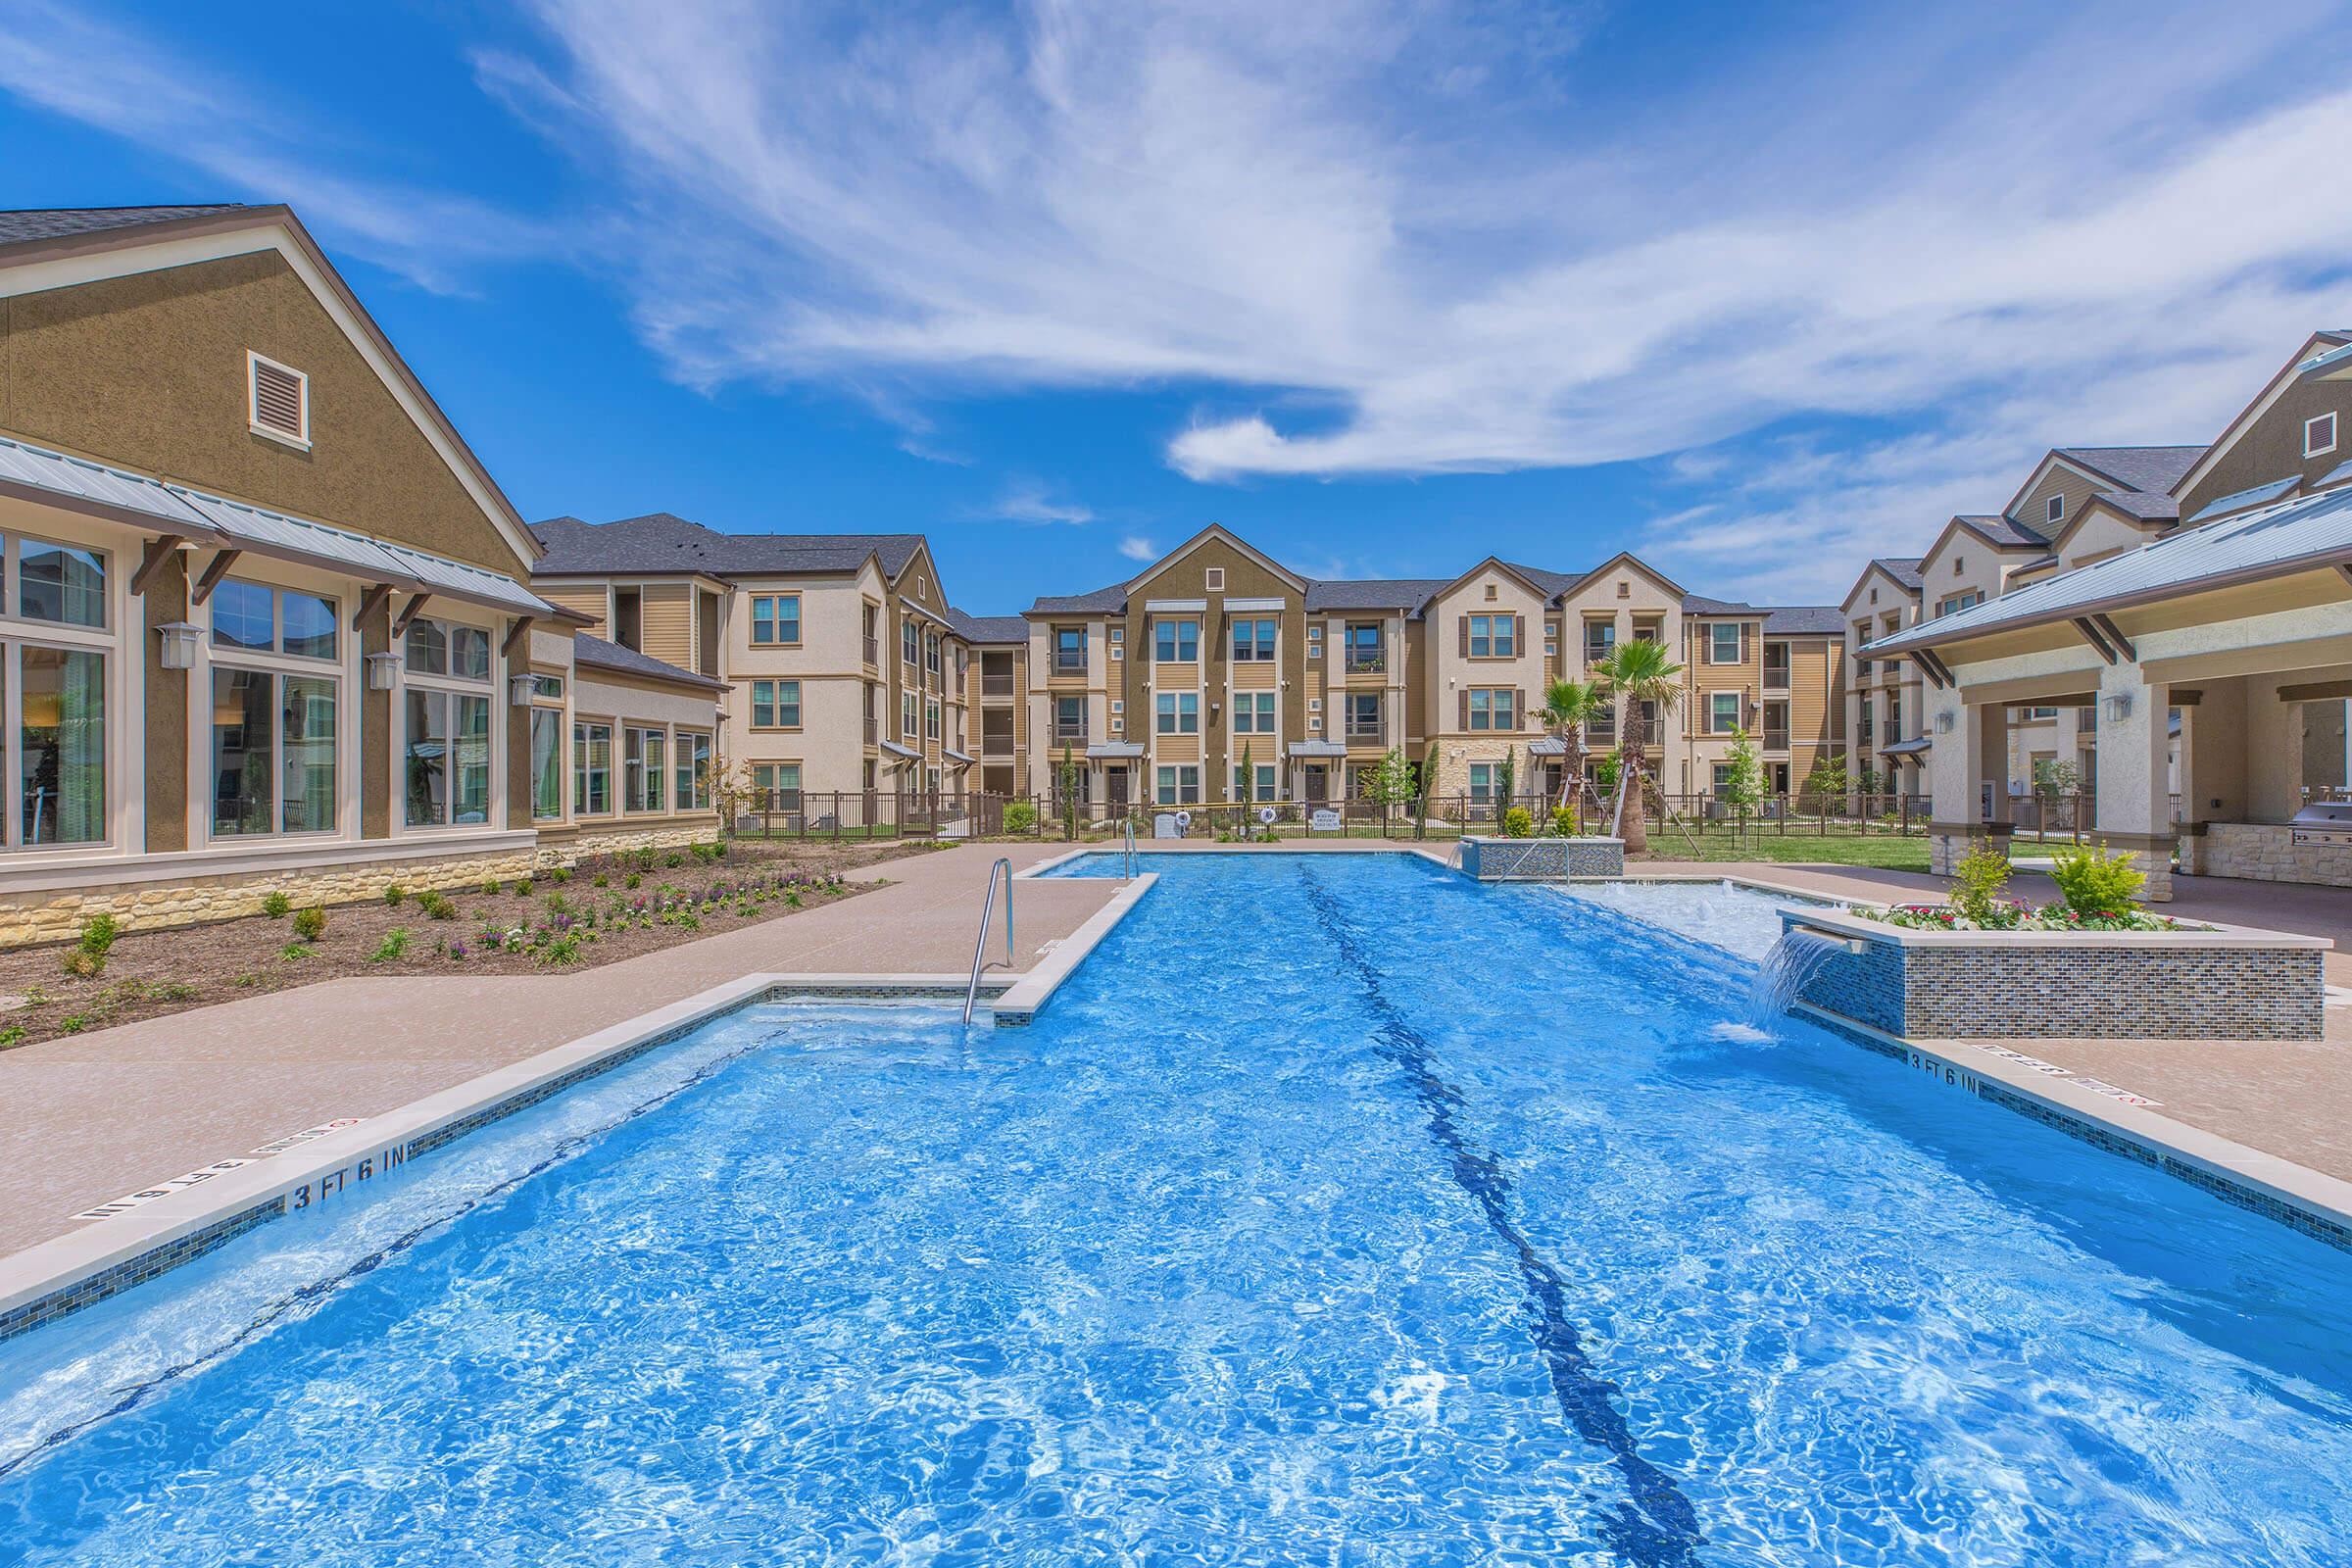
(1781, 978)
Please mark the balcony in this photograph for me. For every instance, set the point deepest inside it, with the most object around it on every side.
(1776, 740)
(995, 686)
(1069, 735)
(1069, 662)
(1776, 675)
(1367, 662)
(874, 652)
(1366, 734)
(873, 730)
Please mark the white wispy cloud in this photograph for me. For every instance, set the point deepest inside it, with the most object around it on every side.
(1426, 245)
(1027, 501)
(1135, 547)
(70, 62)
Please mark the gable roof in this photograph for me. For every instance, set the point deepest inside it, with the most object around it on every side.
(988, 628)
(25, 223)
(1805, 620)
(2002, 533)
(1701, 604)
(1216, 531)
(2321, 345)
(1902, 568)
(58, 245)
(2274, 542)
(598, 654)
(663, 543)
(1101, 601)
(2143, 506)
(2150, 468)
(1403, 594)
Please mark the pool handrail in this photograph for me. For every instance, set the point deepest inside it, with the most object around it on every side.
(987, 907)
(1127, 862)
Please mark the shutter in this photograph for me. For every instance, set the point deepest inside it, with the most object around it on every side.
(278, 399)
(1462, 624)
(1747, 634)
(1464, 695)
(1519, 709)
(1518, 634)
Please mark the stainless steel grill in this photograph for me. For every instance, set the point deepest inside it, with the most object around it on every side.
(2324, 822)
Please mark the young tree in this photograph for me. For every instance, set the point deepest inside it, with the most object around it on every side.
(1742, 779)
(1638, 672)
(1068, 777)
(1568, 705)
(1505, 780)
(2053, 782)
(1425, 784)
(1828, 781)
(1392, 787)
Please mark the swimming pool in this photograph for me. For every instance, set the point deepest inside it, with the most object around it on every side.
(1339, 1210)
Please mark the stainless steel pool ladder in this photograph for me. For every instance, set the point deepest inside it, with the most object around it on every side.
(988, 908)
(1127, 862)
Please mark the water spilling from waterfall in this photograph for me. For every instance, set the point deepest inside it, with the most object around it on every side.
(1781, 978)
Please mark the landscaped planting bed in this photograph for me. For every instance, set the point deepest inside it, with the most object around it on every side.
(608, 908)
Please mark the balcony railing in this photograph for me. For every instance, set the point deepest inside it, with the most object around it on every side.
(873, 729)
(1775, 676)
(1069, 663)
(995, 746)
(1360, 662)
(1776, 740)
(1365, 734)
(1069, 734)
(873, 650)
(995, 686)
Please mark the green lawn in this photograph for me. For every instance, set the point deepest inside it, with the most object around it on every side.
(1891, 852)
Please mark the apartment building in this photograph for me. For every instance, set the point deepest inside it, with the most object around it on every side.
(1000, 703)
(1218, 676)
(1883, 711)
(264, 616)
(848, 671)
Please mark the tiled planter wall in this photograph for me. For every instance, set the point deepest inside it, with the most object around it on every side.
(1491, 859)
(2223, 984)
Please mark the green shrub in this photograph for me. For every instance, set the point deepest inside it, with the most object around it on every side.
(98, 935)
(276, 905)
(489, 887)
(1563, 822)
(309, 924)
(13, 1035)
(673, 858)
(560, 874)
(2094, 881)
(707, 853)
(293, 952)
(395, 943)
(394, 893)
(522, 887)
(1977, 883)
(438, 905)
(633, 880)
(1020, 818)
(603, 881)
(1518, 823)
(80, 964)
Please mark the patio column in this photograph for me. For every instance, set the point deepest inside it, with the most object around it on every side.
(2134, 810)
(1968, 778)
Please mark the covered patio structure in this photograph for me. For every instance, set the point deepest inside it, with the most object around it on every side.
(2242, 627)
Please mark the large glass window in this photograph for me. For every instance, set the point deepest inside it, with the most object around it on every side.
(1179, 786)
(307, 713)
(775, 705)
(1253, 641)
(641, 769)
(1723, 642)
(1178, 712)
(546, 762)
(244, 752)
(244, 615)
(1254, 712)
(1494, 707)
(1176, 642)
(777, 785)
(427, 755)
(60, 583)
(694, 772)
(592, 768)
(1723, 712)
(427, 648)
(448, 758)
(61, 739)
(255, 618)
(1494, 636)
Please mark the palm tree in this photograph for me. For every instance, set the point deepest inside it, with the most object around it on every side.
(1638, 672)
(1567, 705)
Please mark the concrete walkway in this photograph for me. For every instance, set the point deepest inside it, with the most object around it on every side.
(92, 1117)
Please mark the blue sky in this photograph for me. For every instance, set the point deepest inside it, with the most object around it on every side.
(1756, 291)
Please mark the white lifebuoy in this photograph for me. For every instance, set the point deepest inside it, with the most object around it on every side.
(1267, 814)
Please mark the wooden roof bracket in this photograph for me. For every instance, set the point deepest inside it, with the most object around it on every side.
(368, 602)
(522, 629)
(215, 570)
(409, 613)
(2091, 635)
(159, 552)
(2115, 635)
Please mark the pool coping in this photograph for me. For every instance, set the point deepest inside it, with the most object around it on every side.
(199, 1213)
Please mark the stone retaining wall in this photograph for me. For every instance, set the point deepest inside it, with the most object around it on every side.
(1959, 985)
(1491, 859)
(57, 915)
(2264, 851)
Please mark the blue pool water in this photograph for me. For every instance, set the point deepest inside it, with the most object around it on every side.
(1338, 1211)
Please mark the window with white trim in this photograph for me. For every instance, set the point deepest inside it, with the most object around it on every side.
(1723, 712)
(592, 770)
(1254, 712)
(1723, 642)
(641, 769)
(1180, 786)
(693, 792)
(2054, 510)
(546, 762)
(1178, 712)
(448, 723)
(57, 644)
(275, 698)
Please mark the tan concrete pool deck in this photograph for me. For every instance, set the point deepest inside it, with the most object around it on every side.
(90, 1118)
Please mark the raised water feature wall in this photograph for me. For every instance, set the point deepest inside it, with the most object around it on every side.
(1491, 859)
(2215, 983)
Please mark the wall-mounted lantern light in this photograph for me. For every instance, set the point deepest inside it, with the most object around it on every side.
(2119, 705)
(178, 649)
(1945, 722)
(383, 670)
(520, 689)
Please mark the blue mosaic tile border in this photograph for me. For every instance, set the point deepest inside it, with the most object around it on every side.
(2319, 1227)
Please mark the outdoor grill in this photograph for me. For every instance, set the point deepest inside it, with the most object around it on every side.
(2324, 822)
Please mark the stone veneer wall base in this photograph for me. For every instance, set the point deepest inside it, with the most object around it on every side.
(1547, 859)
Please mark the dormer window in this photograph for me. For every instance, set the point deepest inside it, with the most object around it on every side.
(2054, 510)
(2319, 435)
(277, 401)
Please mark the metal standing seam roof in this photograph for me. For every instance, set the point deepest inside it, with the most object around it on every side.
(2291, 536)
(2241, 500)
(176, 508)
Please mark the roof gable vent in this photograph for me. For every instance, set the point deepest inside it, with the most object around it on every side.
(277, 401)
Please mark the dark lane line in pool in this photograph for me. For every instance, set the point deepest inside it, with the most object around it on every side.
(1659, 1529)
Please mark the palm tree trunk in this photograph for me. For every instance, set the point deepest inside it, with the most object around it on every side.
(1632, 820)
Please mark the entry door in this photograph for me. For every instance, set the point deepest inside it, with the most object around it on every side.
(1317, 781)
(1117, 786)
